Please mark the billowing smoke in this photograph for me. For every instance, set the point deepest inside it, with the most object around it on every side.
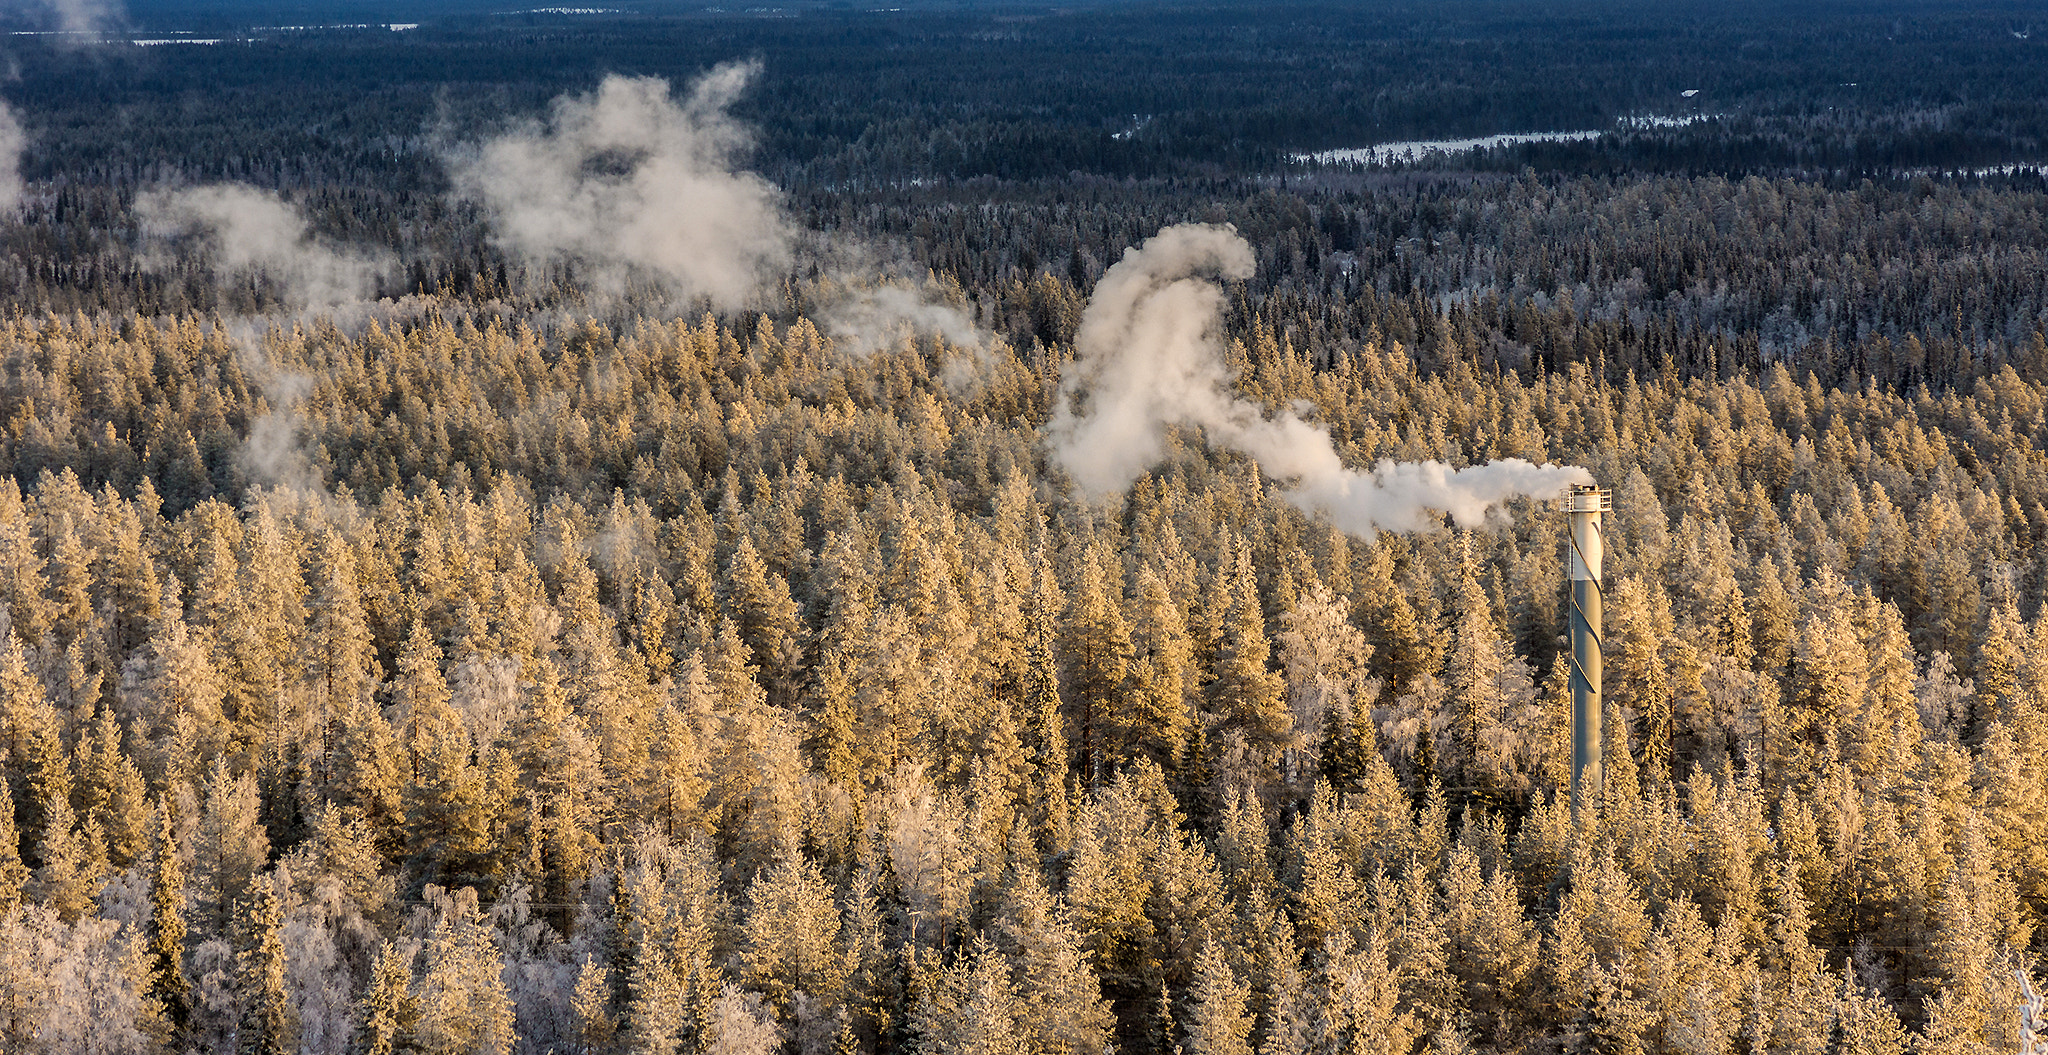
(628, 183)
(253, 231)
(1150, 358)
(12, 141)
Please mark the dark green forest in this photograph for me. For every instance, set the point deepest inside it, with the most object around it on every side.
(501, 555)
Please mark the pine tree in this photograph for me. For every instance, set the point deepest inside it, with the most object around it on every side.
(21, 568)
(1474, 677)
(364, 769)
(389, 1010)
(1243, 689)
(340, 653)
(1216, 1021)
(229, 847)
(111, 791)
(562, 783)
(1402, 646)
(1977, 920)
(759, 604)
(1360, 995)
(787, 942)
(1061, 1010)
(269, 1022)
(166, 948)
(1288, 1019)
(14, 875)
(71, 871)
(37, 773)
(739, 1025)
(590, 1002)
(1097, 643)
(463, 1006)
(1864, 1023)
(1162, 675)
(69, 574)
(1324, 657)
(1347, 746)
(1493, 948)
(1043, 710)
(447, 829)
(973, 1009)
(1638, 675)
(1828, 665)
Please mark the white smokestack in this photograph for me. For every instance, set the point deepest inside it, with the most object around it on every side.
(255, 231)
(629, 183)
(1150, 357)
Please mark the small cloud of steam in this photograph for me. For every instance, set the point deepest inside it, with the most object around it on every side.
(628, 183)
(274, 454)
(255, 231)
(83, 16)
(13, 139)
(1150, 358)
(867, 321)
(862, 322)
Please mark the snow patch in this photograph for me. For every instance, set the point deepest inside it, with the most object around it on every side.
(1416, 150)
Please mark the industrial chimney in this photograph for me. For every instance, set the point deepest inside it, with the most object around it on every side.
(1585, 503)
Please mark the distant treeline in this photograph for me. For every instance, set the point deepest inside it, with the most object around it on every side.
(1900, 282)
(1126, 90)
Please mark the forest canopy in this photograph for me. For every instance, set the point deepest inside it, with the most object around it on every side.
(669, 530)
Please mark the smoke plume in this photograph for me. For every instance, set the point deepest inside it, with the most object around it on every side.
(1150, 358)
(628, 183)
(253, 231)
(12, 141)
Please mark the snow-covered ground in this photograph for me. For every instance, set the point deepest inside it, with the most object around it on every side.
(1659, 121)
(2016, 168)
(395, 27)
(1416, 150)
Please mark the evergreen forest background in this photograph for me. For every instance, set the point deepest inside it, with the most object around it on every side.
(508, 662)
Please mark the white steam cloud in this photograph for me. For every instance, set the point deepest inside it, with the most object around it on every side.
(1150, 358)
(13, 139)
(255, 231)
(629, 183)
(866, 321)
(83, 16)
